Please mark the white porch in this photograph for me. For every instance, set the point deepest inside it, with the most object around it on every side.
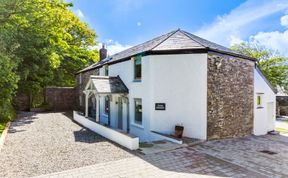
(106, 110)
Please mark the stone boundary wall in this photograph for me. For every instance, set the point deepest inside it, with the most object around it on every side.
(60, 98)
(282, 105)
(230, 97)
(21, 102)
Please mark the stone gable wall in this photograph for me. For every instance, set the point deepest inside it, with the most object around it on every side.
(230, 96)
(80, 86)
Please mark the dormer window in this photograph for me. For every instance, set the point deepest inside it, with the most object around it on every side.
(137, 68)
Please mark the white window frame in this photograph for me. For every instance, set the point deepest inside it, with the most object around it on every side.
(134, 68)
(135, 123)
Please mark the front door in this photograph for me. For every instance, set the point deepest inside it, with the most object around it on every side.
(120, 113)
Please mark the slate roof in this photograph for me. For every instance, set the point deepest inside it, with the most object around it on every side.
(108, 85)
(172, 41)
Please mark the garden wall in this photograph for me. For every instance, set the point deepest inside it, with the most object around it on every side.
(282, 105)
(60, 98)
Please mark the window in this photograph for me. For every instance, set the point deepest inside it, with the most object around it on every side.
(107, 105)
(80, 100)
(137, 68)
(106, 70)
(96, 72)
(80, 78)
(138, 111)
(259, 100)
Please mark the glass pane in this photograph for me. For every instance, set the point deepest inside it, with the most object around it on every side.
(138, 111)
(258, 100)
(138, 60)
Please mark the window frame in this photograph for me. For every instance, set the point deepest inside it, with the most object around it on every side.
(136, 59)
(80, 79)
(106, 105)
(259, 100)
(80, 100)
(106, 70)
(138, 123)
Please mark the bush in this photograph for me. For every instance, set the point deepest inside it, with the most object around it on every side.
(7, 113)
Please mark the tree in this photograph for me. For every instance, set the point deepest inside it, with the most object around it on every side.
(273, 65)
(8, 76)
(53, 42)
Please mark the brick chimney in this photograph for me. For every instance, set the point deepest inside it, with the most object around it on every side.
(103, 52)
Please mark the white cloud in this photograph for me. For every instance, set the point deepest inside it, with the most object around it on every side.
(274, 40)
(284, 20)
(79, 13)
(139, 24)
(234, 40)
(114, 47)
(230, 27)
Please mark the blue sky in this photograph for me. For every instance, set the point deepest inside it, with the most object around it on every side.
(124, 23)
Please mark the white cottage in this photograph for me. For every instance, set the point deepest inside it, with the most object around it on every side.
(143, 92)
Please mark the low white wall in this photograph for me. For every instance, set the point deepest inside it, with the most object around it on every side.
(120, 138)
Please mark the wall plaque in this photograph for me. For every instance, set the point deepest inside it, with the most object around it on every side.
(160, 106)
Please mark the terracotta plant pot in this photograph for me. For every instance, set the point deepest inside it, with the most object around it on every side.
(179, 131)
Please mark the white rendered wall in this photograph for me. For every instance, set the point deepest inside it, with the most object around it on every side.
(179, 81)
(262, 123)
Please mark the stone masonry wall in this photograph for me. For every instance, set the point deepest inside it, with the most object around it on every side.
(21, 102)
(60, 98)
(230, 96)
(282, 104)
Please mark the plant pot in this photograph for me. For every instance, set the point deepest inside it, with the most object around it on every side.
(179, 131)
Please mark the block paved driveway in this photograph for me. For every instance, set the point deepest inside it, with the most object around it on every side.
(51, 145)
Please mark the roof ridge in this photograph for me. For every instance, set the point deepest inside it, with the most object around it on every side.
(143, 43)
(172, 33)
(189, 36)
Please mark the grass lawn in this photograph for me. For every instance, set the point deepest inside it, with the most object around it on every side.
(281, 130)
(2, 127)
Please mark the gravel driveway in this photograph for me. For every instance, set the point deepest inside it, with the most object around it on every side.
(50, 142)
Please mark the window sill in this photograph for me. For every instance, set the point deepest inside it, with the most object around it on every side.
(137, 125)
(137, 80)
(259, 107)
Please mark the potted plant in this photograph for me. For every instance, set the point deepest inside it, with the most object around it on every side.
(179, 130)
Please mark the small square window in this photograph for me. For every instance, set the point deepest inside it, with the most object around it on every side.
(138, 111)
(259, 100)
(137, 67)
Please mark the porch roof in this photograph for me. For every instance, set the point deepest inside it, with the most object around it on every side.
(108, 85)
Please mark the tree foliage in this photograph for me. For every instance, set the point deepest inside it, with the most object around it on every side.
(42, 43)
(273, 65)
